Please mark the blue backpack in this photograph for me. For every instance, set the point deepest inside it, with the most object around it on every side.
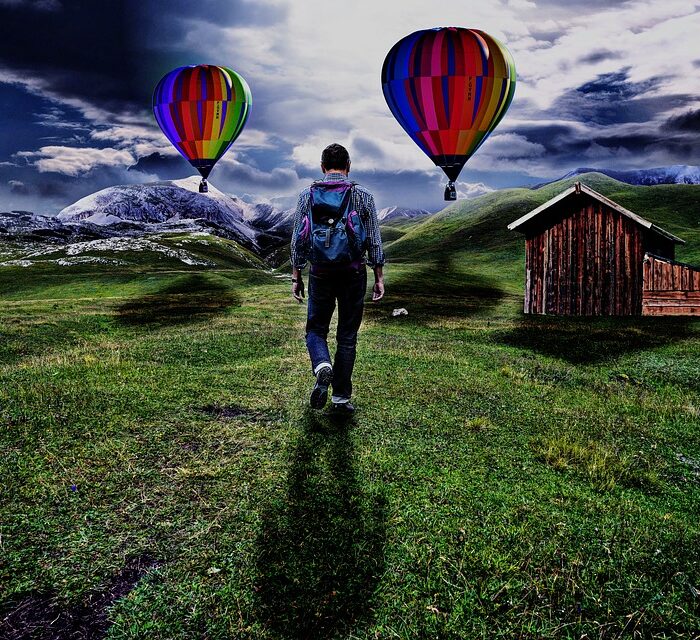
(330, 232)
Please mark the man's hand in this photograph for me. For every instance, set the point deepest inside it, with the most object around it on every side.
(378, 288)
(298, 289)
(297, 285)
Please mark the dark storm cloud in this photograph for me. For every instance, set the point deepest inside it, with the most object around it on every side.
(689, 121)
(634, 142)
(365, 146)
(162, 30)
(218, 12)
(613, 99)
(103, 53)
(617, 85)
(412, 189)
(406, 188)
(423, 189)
(18, 187)
(600, 55)
(48, 193)
(570, 147)
(555, 138)
(36, 5)
(234, 177)
(81, 51)
(165, 167)
(607, 101)
(55, 189)
(645, 143)
(241, 178)
(547, 35)
(18, 122)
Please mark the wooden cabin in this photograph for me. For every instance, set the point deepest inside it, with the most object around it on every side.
(587, 255)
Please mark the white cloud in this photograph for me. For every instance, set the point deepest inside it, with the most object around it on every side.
(511, 145)
(472, 189)
(367, 152)
(521, 5)
(125, 133)
(75, 161)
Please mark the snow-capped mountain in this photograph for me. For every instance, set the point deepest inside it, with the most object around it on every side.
(402, 213)
(275, 215)
(280, 222)
(175, 202)
(676, 174)
(24, 225)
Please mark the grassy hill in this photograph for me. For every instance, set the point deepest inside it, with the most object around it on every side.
(504, 477)
(473, 233)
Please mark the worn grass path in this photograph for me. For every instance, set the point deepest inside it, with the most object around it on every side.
(504, 477)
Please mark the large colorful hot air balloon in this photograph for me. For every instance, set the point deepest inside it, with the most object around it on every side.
(202, 109)
(449, 87)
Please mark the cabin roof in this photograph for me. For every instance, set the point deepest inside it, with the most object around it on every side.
(578, 188)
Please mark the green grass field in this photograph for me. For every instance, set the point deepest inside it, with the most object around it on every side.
(505, 476)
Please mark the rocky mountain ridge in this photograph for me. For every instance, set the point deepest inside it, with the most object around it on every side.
(675, 174)
(168, 206)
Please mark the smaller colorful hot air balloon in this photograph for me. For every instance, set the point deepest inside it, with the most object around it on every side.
(202, 109)
(449, 87)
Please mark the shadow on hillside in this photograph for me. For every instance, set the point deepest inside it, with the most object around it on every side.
(582, 340)
(436, 290)
(191, 298)
(321, 547)
(26, 336)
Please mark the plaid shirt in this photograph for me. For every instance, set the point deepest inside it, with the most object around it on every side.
(362, 202)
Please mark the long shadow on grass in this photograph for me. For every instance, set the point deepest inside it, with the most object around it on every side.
(321, 547)
(583, 340)
(440, 290)
(189, 299)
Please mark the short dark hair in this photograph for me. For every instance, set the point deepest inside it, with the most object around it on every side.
(335, 156)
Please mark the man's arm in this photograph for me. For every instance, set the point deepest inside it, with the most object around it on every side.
(378, 288)
(297, 256)
(297, 285)
(375, 252)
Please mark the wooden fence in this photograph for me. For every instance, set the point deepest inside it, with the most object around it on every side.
(670, 288)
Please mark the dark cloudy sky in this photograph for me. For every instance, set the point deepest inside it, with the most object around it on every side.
(600, 83)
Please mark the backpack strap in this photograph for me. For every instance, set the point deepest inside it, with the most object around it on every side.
(344, 209)
(314, 184)
(348, 202)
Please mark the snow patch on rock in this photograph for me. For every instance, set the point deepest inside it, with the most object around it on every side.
(134, 244)
(400, 213)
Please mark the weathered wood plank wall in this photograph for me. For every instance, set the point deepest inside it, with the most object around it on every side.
(670, 288)
(584, 262)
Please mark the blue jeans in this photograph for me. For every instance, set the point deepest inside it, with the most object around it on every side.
(347, 287)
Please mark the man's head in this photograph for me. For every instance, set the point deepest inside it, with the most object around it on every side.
(335, 157)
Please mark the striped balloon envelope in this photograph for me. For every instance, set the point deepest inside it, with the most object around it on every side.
(202, 109)
(449, 87)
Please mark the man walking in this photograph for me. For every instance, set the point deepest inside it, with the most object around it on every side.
(335, 224)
